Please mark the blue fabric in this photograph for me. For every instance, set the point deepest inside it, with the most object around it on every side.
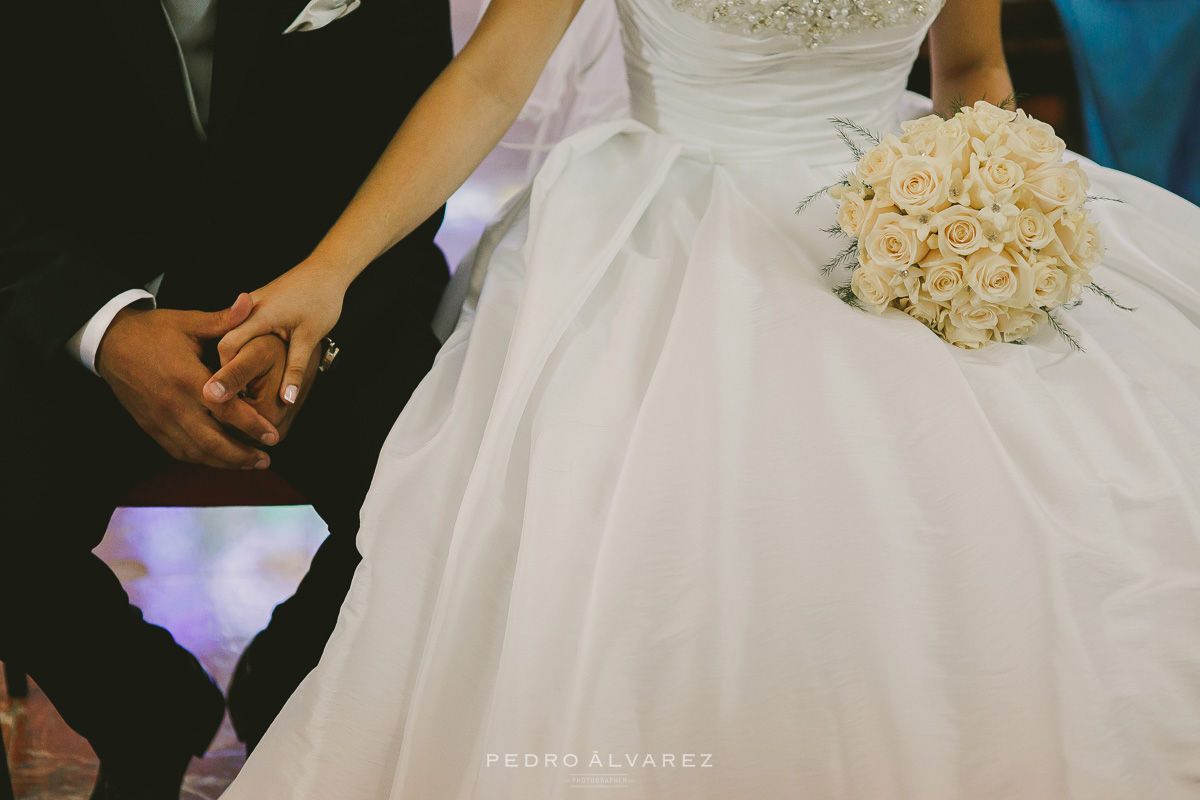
(1139, 74)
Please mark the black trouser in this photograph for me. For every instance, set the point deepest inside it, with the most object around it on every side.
(74, 452)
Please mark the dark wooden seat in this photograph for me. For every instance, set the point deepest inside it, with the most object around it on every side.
(17, 686)
(179, 486)
(6, 788)
(195, 486)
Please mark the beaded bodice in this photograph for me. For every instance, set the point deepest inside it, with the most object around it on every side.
(814, 22)
(763, 77)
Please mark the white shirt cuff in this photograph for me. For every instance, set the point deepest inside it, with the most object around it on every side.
(84, 345)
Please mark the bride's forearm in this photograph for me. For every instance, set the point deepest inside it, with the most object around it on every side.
(987, 82)
(459, 120)
(967, 55)
(429, 157)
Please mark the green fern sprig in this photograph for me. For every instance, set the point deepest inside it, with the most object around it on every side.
(845, 293)
(846, 258)
(841, 123)
(1107, 295)
(808, 201)
(956, 104)
(1010, 103)
(1063, 332)
(851, 145)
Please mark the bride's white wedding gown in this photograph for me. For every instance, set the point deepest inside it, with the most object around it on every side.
(664, 495)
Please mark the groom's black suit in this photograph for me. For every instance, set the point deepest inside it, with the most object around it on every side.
(104, 184)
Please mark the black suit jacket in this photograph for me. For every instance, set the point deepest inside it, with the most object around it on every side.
(104, 183)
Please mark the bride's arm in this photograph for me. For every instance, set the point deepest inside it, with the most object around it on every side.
(456, 123)
(451, 129)
(967, 55)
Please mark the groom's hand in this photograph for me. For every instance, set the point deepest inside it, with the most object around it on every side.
(152, 361)
(256, 375)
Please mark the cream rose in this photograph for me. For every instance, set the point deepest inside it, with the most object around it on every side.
(952, 142)
(928, 123)
(870, 285)
(931, 313)
(1003, 278)
(984, 119)
(1034, 140)
(920, 184)
(1075, 234)
(874, 210)
(955, 328)
(921, 133)
(927, 311)
(966, 338)
(1089, 248)
(1078, 279)
(1019, 323)
(1059, 186)
(851, 213)
(945, 275)
(961, 232)
(1000, 176)
(1034, 231)
(892, 245)
(1051, 285)
(973, 313)
(875, 167)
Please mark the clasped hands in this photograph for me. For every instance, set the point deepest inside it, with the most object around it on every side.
(153, 361)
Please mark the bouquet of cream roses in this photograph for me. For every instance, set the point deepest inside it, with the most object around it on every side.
(973, 225)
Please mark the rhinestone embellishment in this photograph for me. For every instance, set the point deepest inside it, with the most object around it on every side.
(814, 22)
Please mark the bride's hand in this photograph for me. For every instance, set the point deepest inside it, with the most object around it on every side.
(301, 307)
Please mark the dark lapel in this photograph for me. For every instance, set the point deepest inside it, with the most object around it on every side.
(141, 31)
(241, 24)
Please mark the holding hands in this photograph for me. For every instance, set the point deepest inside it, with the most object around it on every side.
(169, 391)
(152, 361)
(300, 308)
(255, 376)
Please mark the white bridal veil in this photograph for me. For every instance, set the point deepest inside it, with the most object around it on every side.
(583, 84)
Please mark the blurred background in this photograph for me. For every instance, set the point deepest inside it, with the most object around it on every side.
(209, 557)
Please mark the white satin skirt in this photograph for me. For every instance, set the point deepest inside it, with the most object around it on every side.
(668, 509)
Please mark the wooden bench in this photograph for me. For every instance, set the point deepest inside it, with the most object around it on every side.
(180, 486)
